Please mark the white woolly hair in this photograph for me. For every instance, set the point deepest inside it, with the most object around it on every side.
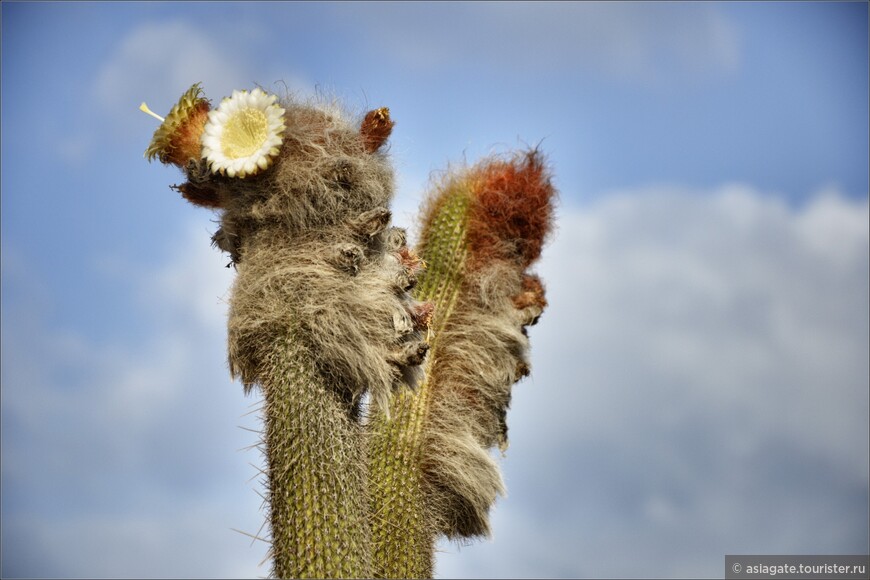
(310, 239)
(482, 351)
(504, 207)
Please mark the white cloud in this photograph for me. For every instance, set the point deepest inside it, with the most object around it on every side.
(628, 41)
(158, 61)
(123, 459)
(74, 149)
(699, 387)
(192, 542)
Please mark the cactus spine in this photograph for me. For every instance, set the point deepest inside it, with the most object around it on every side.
(322, 315)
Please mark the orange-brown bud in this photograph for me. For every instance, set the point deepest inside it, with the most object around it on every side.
(376, 129)
(531, 293)
(177, 139)
(184, 143)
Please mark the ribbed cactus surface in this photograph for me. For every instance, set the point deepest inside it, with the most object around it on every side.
(402, 532)
(317, 485)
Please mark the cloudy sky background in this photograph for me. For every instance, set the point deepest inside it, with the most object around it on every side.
(700, 380)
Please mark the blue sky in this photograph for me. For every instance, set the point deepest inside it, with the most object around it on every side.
(700, 381)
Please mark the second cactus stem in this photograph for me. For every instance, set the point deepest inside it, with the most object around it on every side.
(431, 470)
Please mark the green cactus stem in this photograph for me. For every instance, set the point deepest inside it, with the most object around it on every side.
(317, 481)
(482, 230)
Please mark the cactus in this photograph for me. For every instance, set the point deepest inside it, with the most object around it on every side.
(322, 316)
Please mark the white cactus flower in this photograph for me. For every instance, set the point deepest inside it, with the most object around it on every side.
(244, 134)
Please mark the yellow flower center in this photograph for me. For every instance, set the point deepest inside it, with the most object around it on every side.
(244, 133)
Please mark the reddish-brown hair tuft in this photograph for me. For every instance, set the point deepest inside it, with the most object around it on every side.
(410, 259)
(422, 314)
(201, 196)
(512, 211)
(531, 293)
(376, 128)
